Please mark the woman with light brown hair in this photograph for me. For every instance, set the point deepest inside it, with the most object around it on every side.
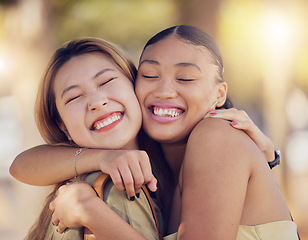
(86, 99)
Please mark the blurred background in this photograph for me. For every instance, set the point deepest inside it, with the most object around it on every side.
(265, 48)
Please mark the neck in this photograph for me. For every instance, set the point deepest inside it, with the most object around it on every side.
(174, 154)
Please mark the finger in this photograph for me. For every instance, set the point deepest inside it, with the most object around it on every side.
(152, 185)
(149, 178)
(244, 125)
(128, 181)
(145, 167)
(252, 131)
(61, 227)
(55, 220)
(231, 114)
(117, 180)
(137, 174)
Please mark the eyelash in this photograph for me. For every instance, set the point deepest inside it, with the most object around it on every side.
(71, 99)
(103, 83)
(149, 77)
(186, 80)
(178, 79)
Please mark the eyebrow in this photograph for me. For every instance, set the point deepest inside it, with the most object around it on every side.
(149, 61)
(182, 64)
(185, 64)
(102, 72)
(95, 76)
(68, 89)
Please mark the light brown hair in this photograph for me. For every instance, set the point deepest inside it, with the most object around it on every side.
(46, 114)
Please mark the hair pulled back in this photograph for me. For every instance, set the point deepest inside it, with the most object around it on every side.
(197, 37)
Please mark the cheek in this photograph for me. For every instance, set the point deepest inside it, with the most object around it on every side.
(70, 116)
(201, 101)
(142, 90)
(139, 92)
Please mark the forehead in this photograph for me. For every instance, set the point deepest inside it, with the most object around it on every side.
(85, 65)
(177, 50)
(80, 69)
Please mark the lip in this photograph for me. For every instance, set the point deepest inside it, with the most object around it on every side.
(171, 107)
(107, 121)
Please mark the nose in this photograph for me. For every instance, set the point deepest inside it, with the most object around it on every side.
(97, 102)
(165, 90)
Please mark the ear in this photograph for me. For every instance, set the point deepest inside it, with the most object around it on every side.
(222, 94)
(64, 129)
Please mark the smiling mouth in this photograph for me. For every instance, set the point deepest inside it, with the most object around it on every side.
(107, 121)
(166, 112)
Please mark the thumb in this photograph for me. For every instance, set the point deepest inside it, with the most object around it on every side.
(152, 185)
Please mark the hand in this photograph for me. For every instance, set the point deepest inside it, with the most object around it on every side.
(240, 120)
(129, 170)
(70, 205)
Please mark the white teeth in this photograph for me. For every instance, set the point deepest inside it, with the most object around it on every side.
(106, 122)
(165, 112)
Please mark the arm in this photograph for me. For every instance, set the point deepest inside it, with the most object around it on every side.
(45, 165)
(214, 181)
(240, 120)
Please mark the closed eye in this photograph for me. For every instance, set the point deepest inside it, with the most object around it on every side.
(72, 99)
(103, 83)
(186, 79)
(149, 76)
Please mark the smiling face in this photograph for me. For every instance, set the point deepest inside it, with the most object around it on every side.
(97, 103)
(176, 86)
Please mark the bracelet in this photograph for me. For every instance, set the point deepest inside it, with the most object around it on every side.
(75, 159)
(276, 161)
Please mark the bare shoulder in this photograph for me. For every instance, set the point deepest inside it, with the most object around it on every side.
(218, 128)
(216, 139)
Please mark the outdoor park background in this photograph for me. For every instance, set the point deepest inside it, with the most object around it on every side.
(265, 48)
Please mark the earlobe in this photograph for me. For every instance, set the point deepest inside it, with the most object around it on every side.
(222, 94)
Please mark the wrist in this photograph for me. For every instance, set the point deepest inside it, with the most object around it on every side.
(88, 213)
(269, 151)
(88, 161)
(276, 160)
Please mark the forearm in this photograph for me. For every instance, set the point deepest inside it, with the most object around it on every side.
(46, 165)
(106, 224)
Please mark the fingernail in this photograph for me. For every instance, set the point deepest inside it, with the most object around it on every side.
(132, 198)
(213, 114)
(138, 195)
